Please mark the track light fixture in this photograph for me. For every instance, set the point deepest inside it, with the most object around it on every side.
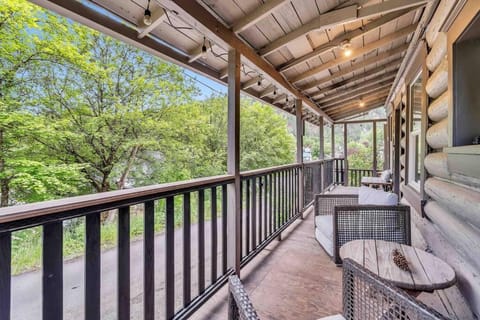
(147, 16)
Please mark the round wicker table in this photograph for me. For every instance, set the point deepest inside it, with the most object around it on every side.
(427, 272)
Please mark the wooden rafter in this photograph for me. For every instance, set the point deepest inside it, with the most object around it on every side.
(351, 35)
(357, 53)
(252, 82)
(258, 14)
(341, 16)
(365, 85)
(358, 94)
(355, 105)
(378, 71)
(269, 91)
(367, 108)
(357, 66)
(207, 24)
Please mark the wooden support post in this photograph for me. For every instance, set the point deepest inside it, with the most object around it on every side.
(374, 123)
(298, 112)
(345, 156)
(333, 140)
(386, 147)
(321, 152)
(233, 161)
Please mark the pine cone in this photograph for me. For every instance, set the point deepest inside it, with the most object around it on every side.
(400, 260)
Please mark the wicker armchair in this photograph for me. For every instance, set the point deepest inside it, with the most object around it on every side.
(349, 221)
(366, 296)
(239, 305)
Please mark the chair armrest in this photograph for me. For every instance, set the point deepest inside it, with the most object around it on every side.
(389, 223)
(239, 305)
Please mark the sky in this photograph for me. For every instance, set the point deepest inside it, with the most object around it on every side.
(206, 86)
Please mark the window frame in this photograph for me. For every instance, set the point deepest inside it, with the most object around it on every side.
(415, 137)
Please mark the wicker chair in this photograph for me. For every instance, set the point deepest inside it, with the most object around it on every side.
(366, 296)
(349, 221)
(239, 305)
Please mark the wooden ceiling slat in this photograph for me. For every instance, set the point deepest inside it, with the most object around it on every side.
(359, 95)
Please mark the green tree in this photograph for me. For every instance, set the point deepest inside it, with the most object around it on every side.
(29, 38)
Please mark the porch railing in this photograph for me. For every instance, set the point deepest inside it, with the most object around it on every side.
(318, 176)
(192, 212)
(355, 176)
(339, 170)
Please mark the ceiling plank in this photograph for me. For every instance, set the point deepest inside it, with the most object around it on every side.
(212, 28)
(340, 16)
(360, 65)
(270, 90)
(378, 71)
(363, 110)
(158, 16)
(358, 94)
(355, 104)
(280, 98)
(374, 25)
(356, 53)
(258, 14)
(356, 88)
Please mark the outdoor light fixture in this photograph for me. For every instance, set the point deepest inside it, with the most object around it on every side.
(147, 16)
(361, 104)
(259, 83)
(274, 91)
(346, 46)
(204, 49)
(286, 99)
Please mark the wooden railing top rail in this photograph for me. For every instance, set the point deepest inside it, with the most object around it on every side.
(258, 172)
(39, 209)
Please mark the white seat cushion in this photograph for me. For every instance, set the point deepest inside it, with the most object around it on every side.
(335, 317)
(368, 195)
(324, 232)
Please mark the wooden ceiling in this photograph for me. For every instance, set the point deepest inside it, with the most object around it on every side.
(290, 49)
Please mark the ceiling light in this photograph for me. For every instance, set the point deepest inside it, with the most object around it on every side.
(346, 47)
(147, 16)
(274, 91)
(361, 104)
(259, 83)
(204, 49)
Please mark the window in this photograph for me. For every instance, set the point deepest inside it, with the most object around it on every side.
(466, 75)
(414, 145)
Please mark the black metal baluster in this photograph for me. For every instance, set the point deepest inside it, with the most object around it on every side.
(52, 271)
(149, 260)
(254, 213)
(247, 223)
(270, 203)
(170, 259)
(225, 226)
(265, 206)
(201, 240)
(5, 273)
(214, 234)
(283, 197)
(92, 266)
(273, 221)
(186, 249)
(242, 229)
(123, 263)
(260, 211)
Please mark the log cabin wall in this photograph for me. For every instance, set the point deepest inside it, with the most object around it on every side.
(448, 202)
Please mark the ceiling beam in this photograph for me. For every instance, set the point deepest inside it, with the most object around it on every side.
(357, 66)
(257, 14)
(158, 16)
(351, 35)
(363, 110)
(195, 54)
(207, 24)
(252, 82)
(356, 53)
(355, 105)
(359, 95)
(270, 90)
(340, 16)
(280, 98)
(356, 88)
(378, 71)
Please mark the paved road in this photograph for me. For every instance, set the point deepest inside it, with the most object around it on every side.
(26, 288)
